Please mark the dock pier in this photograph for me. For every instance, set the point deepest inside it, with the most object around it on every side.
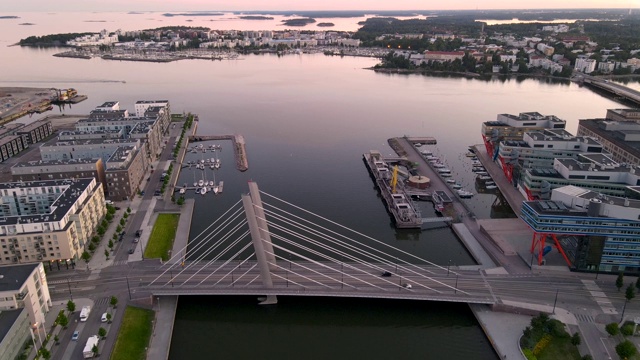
(239, 148)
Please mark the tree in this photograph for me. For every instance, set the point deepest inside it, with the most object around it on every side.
(63, 321)
(108, 318)
(626, 349)
(612, 329)
(106, 253)
(630, 293)
(575, 339)
(118, 229)
(71, 306)
(86, 256)
(101, 230)
(47, 355)
(114, 301)
(92, 247)
(128, 210)
(110, 244)
(94, 350)
(102, 332)
(620, 281)
(122, 222)
(56, 340)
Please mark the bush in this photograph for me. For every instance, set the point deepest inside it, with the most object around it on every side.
(529, 354)
(542, 344)
(626, 349)
(612, 329)
(575, 339)
(627, 329)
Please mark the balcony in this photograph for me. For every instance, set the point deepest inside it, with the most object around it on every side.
(21, 296)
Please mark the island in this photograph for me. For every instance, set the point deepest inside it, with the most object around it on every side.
(50, 40)
(255, 17)
(326, 24)
(26, 24)
(298, 21)
(9, 17)
(193, 14)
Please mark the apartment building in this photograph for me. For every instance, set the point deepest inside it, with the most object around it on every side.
(48, 220)
(620, 138)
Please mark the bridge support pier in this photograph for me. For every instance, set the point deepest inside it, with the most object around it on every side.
(259, 248)
(268, 300)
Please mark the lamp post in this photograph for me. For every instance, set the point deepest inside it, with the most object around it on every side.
(171, 273)
(69, 285)
(555, 301)
(448, 266)
(624, 307)
(456, 287)
(128, 288)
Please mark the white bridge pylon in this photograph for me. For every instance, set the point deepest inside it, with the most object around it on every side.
(295, 252)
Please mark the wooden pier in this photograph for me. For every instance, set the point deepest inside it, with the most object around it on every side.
(239, 148)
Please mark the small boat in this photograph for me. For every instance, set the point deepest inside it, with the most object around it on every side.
(451, 181)
(444, 170)
(217, 165)
(439, 165)
(445, 175)
(426, 152)
(489, 182)
(203, 190)
(200, 146)
(215, 189)
(484, 177)
(200, 183)
(469, 154)
(482, 173)
(418, 144)
(210, 182)
(183, 190)
(431, 157)
(195, 184)
(491, 187)
(213, 160)
(465, 194)
(456, 186)
(213, 166)
(478, 168)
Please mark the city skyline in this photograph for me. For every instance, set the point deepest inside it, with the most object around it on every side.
(289, 5)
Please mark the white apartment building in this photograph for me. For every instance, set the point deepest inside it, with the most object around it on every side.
(48, 220)
(25, 286)
(585, 65)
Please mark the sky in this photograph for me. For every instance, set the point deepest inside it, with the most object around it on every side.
(238, 5)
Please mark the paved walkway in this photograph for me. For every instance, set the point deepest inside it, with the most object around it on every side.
(473, 246)
(502, 329)
(165, 308)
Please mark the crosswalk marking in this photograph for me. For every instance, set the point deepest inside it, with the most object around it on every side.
(585, 318)
(599, 297)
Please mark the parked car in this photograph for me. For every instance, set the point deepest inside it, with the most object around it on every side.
(135, 240)
(75, 335)
(104, 317)
(138, 232)
(132, 250)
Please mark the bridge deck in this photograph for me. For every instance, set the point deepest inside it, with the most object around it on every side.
(307, 278)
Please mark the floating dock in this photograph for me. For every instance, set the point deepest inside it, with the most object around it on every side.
(399, 204)
(239, 149)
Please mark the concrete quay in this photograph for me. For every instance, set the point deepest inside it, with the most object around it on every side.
(511, 194)
(239, 148)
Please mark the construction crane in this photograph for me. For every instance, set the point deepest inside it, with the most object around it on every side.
(394, 179)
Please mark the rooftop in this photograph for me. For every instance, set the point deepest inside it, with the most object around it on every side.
(152, 101)
(59, 207)
(616, 137)
(7, 319)
(120, 155)
(14, 276)
(545, 173)
(550, 207)
(39, 163)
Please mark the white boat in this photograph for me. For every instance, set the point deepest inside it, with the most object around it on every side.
(183, 190)
(200, 183)
(489, 182)
(215, 189)
(491, 187)
(202, 161)
(217, 165)
(444, 170)
(482, 173)
(439, 165)
(451, 181)
(426, 152)
(213, 166)
(195, 184)
(478, 168)
(203, 190)
(456, 186)
(210, 182)
(418, 144)
(213, 160)
(445, 175)
(200, 146)
(484, 177)
(431, 157)
(218, 161)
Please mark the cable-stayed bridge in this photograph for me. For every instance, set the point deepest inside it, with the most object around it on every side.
(269, 248)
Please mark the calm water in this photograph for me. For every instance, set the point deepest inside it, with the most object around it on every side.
(307, 120)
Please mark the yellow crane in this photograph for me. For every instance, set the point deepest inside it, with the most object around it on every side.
(394, 179)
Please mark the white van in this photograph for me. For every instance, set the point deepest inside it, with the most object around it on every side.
(104, 317)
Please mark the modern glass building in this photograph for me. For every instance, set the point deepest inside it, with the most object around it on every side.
(594, 232)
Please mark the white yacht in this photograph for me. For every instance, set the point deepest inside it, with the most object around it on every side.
(215, 189)
(451, 181)
(210, 182)
(183, 190)
(203, 190)
(200, 183)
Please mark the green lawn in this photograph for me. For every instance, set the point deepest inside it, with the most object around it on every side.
(560, 349)
(134, 334)
(162, 236)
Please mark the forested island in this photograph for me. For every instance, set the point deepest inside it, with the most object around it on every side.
(255, 17)
(193, 14)
(50, 40)
(326, 24)
(9, 17)
(298, 21)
